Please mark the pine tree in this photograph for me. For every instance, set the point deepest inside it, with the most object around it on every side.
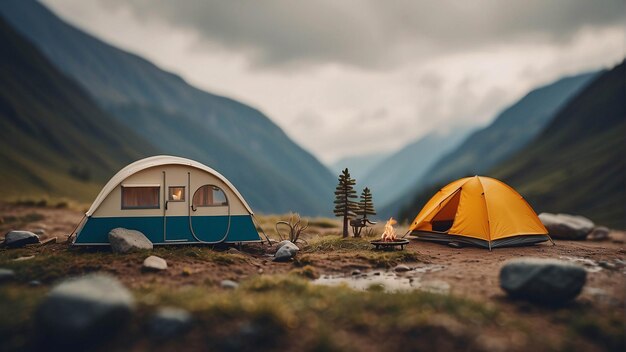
(345, 194)
(366, 205)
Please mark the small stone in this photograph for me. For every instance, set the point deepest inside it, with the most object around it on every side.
(169, 321)
(284, 254)
(154, 263)
(15, 239)
(233, 250)
(542, 280)
(260, 271)
(187, 271)
(34, 283)
(287, 243)
(356, 272)
(123, 241)
(599, 233)
(86, 309)
(400, 268)
(229, 284)
(6, 275)
(566, 227)
(455, 245)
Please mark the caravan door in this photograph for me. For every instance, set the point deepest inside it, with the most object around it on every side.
(176, 203)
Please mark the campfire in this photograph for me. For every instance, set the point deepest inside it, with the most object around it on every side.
(389, 240)
(389, 235)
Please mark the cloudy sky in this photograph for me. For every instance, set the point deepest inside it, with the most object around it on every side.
(358, 77)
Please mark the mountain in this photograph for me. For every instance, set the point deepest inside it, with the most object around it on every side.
(359, 165)
(270, 170)
(510, 131)
(401, 171)
(578, 164)
(54, 138)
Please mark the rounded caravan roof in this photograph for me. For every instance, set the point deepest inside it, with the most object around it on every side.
(153, 161)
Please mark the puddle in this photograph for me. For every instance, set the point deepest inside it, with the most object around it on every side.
(389, 281)
(589, 265)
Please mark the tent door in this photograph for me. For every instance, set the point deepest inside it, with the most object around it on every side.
(175, 204)
(444, 219)
(209, 218)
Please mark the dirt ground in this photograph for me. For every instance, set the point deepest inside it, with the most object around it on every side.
(469, 272)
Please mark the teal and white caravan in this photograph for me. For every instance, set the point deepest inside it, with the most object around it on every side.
(170, 200)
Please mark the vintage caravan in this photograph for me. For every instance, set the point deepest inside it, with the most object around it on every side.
(170, 200)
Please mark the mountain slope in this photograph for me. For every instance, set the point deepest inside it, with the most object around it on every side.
(400, 172)
(578, 164)
(511, 130)
(290, 177)
(55, 140)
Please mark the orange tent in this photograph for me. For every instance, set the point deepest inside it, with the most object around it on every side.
(481, 211)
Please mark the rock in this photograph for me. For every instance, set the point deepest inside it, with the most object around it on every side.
(566, 227)
(16, 239)
(400, 268)
(356, 272)
(455, 244)
(169, 321)
(154, 263)
(6, 275)
(34, 283)
(229, 284)
(284, 254)
(123, 240)
(287, 243)
(599, 233)
(85, 309)
(542, 280)
(233, 250)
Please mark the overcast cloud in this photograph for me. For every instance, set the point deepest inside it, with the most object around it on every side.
(386, 72)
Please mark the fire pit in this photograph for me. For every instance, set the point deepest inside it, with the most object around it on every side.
(390, 244)
(389, 238)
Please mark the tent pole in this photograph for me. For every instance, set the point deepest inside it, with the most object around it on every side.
(489, 245)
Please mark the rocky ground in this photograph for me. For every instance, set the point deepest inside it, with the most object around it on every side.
(238, 299)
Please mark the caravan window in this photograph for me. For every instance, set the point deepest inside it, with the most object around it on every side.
(140, 197)
(209, 195)
(176, 194)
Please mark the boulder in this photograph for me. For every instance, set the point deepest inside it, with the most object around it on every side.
(401, 268)
(16, 239)
(6, 275)
(548, 281)
(284, 254)
(566, 227)
(599, 233)
(229, 284)
(154, 263)
(123, 240)
(287, 243)
(86, 309)
(169, 321)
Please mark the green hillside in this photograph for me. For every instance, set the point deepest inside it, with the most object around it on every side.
(54, 139)
(220, 132)
(578, 164)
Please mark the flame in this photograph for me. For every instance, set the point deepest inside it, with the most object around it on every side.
(389, 235)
